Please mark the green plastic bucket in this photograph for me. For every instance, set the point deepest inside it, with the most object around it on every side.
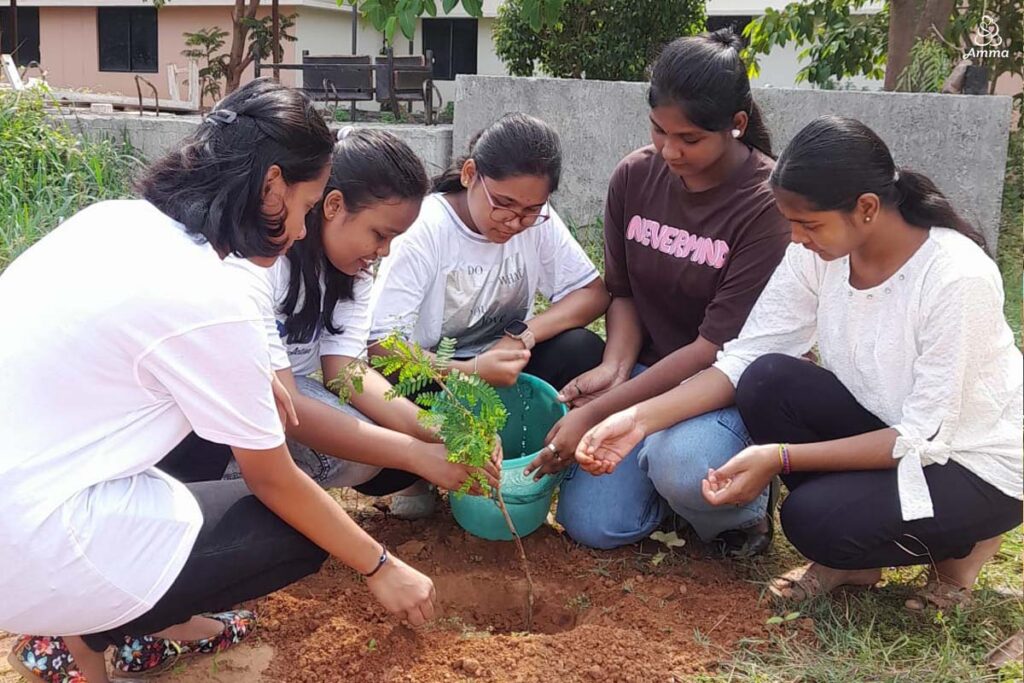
(533, 408)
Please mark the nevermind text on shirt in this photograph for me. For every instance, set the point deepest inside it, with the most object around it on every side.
(677, 242)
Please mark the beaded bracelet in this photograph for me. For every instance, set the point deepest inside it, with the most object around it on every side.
(784, 458)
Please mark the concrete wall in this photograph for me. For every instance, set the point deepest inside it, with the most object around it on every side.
(69, 47)
(958, 140)
(155, 135)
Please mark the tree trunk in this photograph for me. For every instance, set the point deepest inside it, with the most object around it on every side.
(908, 21)
(237, 59)
(275, 18)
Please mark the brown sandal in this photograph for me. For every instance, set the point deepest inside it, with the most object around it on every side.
(939, 595)
(796, 579)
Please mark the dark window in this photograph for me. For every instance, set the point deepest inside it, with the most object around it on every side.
(28, 35)
(127, 37)
(736, 22)
(453, 42)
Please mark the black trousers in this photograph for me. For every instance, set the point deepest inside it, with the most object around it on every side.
(243, 551)
(852, 520)
(560, 359)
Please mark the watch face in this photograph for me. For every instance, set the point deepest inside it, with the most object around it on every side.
(516, 328)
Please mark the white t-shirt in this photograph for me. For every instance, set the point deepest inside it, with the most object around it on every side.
(928, 352)
(269, 288)
(122, 335)
(444, 280)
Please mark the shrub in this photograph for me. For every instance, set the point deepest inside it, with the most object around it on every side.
(610, 40)
(49, 173)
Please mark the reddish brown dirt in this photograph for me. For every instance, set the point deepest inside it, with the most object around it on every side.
(599, 616)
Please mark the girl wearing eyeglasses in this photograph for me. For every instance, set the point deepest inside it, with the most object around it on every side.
(482, 247)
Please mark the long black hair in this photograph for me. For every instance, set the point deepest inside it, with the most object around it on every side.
(514, 145)
(705, 77)
(834, 160)
(369, 166)
(213, 184)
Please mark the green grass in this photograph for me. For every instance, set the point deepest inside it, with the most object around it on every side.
(49, 173)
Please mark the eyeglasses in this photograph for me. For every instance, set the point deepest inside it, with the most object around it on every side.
(501, 214)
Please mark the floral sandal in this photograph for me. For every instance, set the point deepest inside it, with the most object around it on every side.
(940, 595)
(144, 656)
(44, 658)
(238, 624)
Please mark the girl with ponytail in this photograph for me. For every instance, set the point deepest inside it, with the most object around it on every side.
(691, 237)
(903, 446)
(316, 310)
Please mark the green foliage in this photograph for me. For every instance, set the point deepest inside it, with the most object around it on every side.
(465, 411)
(1007, 15)
(49, 173)
(261, 33)
(839, 44)
(387, 16)
(602, 39)
(203, 46)
(929, 67)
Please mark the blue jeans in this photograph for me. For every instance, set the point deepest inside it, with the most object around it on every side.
(660, 476)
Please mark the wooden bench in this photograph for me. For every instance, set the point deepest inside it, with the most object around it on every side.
(406, 79)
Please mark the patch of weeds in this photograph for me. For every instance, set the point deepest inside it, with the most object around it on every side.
(579, 603)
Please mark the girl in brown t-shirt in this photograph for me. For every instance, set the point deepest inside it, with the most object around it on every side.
(691, 237)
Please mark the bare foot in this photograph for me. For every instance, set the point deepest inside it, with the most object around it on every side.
(89, 662)
(815, 579)
(196, 628)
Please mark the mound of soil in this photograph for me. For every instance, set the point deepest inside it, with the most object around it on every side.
(609, 616)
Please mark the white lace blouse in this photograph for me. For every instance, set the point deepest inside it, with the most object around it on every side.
(928, 352)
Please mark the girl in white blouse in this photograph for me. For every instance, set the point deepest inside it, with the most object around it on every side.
(903, 446)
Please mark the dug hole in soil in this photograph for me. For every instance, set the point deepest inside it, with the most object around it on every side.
(598, 616)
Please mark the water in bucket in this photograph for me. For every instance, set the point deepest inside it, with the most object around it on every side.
(533, 408)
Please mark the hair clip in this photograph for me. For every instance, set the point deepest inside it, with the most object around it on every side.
(218, 116)
(345, 132)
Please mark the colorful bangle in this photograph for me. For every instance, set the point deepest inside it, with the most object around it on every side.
(784, 458)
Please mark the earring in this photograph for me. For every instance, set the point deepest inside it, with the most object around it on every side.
(736, 132)
(867, 219)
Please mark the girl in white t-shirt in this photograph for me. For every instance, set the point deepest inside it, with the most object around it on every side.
(902, 446)
(484, 244)
(138, 366)
(315, 307)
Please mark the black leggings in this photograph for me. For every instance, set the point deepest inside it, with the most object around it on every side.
(243, 550)
(852, 520)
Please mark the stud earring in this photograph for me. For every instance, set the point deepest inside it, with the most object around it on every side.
(736, 132)
(867, 219)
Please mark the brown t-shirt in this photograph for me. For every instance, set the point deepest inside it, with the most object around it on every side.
(694, 263)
